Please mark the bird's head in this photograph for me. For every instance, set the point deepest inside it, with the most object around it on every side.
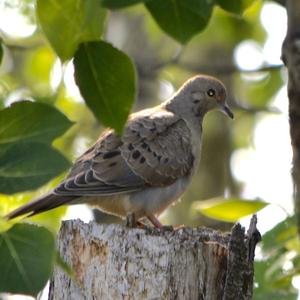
(201, 94)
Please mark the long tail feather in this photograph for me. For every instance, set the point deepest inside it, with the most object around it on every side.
(40, 205)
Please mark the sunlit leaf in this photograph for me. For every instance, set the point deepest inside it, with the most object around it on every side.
(26, 166)
(228, 210)
(106, 79)
(50, 220)
(181, 19)
(26, 259)
(4, 225)
(68, 23)
(236, 6)
(31, 121)
(114, 4)
(37, 69)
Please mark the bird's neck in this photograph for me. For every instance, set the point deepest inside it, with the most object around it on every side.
(192, 118)
(193, 122)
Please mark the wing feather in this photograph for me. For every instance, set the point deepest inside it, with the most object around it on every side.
(161, 152)
(154, 151)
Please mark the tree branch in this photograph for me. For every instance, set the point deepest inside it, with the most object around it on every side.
(227, 69)
(221, 69)
(291, 58)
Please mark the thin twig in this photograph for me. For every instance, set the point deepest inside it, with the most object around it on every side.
(229, 69)
(221, 69)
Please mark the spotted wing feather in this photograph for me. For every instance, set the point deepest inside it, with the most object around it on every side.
(101, 171)
(157, 147)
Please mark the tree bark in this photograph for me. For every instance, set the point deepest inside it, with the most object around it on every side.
(116, 262)
(291, 58)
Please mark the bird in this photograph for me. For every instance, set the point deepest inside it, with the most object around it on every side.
(140, 173)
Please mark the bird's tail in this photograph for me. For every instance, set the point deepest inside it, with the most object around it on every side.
(40, 205)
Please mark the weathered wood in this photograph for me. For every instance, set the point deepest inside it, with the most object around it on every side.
(116, 262)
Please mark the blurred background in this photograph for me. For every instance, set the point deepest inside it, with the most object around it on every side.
(248, 158)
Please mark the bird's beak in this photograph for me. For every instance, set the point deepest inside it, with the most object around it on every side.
(225, 109)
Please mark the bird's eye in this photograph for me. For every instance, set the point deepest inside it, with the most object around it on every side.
(211, 92)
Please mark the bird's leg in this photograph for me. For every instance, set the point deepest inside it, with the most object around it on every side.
(131, 221)
(157, 224)
(154, 221)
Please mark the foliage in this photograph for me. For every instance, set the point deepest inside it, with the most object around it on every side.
(235, 6)
(95, 73)
(26, 259)
(27, 121)
(66, 24)
(188, 17)
(228, 210)
(27, 160)
(26, 166)
(111, 43)
(279, 245)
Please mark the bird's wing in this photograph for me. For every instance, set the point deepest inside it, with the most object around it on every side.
(101, 170)
(157, 147)
(154, 151)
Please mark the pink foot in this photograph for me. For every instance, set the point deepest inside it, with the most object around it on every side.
(155, 221)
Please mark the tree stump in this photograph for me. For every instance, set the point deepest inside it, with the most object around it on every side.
(116, 262)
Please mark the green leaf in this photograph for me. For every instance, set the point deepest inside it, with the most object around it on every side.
(26, 259)
(107, 82)
(68, 23)
(279, 235)
(228, 210)
(114, 4)
(26, 166)
(181, 19)
(31, 121)
(236, 6)
(26, 161)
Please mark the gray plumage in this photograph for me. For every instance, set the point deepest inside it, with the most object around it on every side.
(149, 166)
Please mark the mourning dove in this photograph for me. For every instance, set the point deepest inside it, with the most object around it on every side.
(142, 172)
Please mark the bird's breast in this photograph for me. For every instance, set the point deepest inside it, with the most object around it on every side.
(149, 201)
(196, 144)
(154, 200)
